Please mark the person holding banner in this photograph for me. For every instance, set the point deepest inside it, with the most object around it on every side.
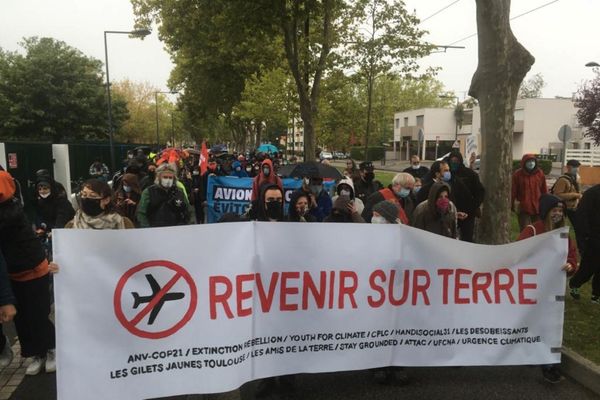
(437, 214)
(552, 214)
(7, 312)
(30, 281)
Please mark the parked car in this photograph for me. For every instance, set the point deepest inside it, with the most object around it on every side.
(338, 155)
(325, 155)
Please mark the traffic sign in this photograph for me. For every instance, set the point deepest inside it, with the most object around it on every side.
(565, 133)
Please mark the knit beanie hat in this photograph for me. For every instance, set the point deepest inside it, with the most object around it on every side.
(7, 186)
(166, 167)
(547, 203)
(387, 210)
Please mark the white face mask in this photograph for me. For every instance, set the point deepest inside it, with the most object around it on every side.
(44, 195)
(345, 192)
(166, 182)
(378, 219)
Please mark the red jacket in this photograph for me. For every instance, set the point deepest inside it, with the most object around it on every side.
(261, 178)
(538, 229)
(527, 187)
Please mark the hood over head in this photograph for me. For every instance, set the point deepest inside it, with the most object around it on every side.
(434, 192)
(348, 182)
(527, 157)
(548, 202)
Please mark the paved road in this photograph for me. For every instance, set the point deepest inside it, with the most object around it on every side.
(487, 383)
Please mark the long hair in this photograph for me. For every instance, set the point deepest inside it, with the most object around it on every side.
(103, 189)
(548, 220)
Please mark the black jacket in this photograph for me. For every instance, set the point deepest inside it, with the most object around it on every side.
(588, 216)
(6, 294)
(471, 180)
(420, 173)
(22, 250)
(54, 211)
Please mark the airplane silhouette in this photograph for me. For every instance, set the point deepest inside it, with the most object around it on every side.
(137, 299)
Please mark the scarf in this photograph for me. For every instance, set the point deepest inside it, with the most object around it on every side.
(102, 221)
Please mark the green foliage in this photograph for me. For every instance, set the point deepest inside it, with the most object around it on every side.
(544, 165)
(374, 153)
(54, 92)
(532, 87)
(588, 104)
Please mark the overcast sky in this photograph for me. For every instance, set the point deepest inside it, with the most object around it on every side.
(563, 37)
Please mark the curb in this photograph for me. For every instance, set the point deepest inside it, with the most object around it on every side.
(581, 370)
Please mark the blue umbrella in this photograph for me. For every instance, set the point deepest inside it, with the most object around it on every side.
(267, 148)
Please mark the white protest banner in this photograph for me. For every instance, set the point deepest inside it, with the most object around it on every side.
(203, 309)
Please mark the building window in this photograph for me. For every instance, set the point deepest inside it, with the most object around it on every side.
(405, 121)
(587, 146)
(397, 123)
(420, 121)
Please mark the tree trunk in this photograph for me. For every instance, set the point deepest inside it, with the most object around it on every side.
(503, 64)
(308, 97)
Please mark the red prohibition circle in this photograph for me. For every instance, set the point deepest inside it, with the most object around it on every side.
(179, 271)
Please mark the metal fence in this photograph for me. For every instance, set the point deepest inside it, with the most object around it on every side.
(587, 157)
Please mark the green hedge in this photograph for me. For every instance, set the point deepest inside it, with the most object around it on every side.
(544, 165)
(375, 153)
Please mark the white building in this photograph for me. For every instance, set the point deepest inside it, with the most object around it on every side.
(294, 140)
(537, 122)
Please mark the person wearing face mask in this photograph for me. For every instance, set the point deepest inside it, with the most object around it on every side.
(127, 197)
(528, 184)
(344, 211)
(418, 186)
(298, 208)
(238, 170)
(416, 169)
(97, 209)
(266, 175)
(28, 272)
(399, 192)
(320, 203)
(437, 214)
(552, 214)
(365, 183)
(148, 180)
(567, 188)
(165, 203)
(346, 187)
(439, 172)
(385, 212)
(52, 208)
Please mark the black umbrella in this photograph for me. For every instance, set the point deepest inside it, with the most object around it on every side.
(311, 169)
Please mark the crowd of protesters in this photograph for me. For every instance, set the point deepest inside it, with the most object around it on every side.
(170, 189)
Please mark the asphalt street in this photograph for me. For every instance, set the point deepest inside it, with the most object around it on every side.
(466, 383)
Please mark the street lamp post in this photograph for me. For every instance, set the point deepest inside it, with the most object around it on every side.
(137, 33)
(156, 104)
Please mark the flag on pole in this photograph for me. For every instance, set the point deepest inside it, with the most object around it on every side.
(203, 164)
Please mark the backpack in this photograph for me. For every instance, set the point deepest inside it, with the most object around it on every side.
(567, 177)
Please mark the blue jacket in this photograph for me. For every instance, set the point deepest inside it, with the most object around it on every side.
(324, 206)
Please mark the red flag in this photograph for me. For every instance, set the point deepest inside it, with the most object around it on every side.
(203, 159)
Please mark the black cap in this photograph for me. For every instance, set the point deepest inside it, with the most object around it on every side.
(573, 163)
(365, 165)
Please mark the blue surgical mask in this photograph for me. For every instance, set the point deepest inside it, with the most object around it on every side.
(574, 171)
(416, 189)
(530, 164)
(446, 176)
(404, 192)
(126, 188)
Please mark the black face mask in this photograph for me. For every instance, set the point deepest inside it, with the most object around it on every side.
(369, 176)
(91, 207)
(273, 210)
